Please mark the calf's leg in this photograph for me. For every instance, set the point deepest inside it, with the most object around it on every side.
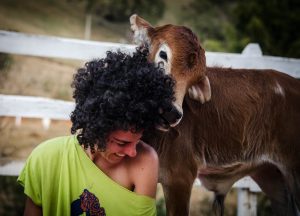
(218, 204)
(177, 185)
(293, 179)
(273, 184)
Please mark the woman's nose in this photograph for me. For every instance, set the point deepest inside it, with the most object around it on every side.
(131, 151)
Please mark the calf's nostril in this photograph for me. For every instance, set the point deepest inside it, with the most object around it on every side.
(178, 115)
(172, 115)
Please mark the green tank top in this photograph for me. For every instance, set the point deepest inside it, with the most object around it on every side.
(61, 178)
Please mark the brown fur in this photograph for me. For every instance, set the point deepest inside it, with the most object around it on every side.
(250, 126)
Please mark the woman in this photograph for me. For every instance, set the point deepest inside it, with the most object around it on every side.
(105, 169)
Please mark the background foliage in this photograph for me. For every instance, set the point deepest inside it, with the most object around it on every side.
(228, 25)
(222, 25)
(274, 24)
(119, 10)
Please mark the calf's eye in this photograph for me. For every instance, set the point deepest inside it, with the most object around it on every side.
(163, 55)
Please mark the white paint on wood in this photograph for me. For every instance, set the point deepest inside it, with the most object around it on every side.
(12, 168)
(88, 26)
(247, 203)
(46, 123)
(253, 203)
(35, 107)
(289, 66)
(58, 47)
(18, 120)
(247, 182)
(252, 49)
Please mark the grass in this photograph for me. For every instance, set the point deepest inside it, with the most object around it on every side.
(18, 141)
(12, 198)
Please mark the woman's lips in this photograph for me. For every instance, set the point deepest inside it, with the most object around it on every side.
(120, 155)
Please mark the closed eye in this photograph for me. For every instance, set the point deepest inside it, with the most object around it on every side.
(121, 144)
(163, 55)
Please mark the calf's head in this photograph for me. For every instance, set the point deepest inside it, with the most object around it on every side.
(177, 50)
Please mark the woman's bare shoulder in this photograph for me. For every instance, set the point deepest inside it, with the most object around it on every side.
(147, 152)
(144, 170)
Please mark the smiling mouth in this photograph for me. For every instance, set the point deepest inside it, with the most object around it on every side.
(119, 155)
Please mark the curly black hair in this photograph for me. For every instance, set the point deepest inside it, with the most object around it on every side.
(119, 92)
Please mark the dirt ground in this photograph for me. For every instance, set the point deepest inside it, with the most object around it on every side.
(36, 76)
(18, 141)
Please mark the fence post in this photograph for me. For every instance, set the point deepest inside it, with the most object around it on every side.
(88, 26)
(46, 123)
(18, 121)
(247, 203)
(252, 49)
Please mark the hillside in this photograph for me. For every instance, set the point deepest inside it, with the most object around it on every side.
(50, 17)
(38, 76)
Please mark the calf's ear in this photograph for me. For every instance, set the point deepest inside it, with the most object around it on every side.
(140, 29)
(201, 91)
(191, 60)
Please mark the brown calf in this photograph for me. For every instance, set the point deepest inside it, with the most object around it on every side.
(235, 123)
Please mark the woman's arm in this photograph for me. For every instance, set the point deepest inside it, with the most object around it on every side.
(32, 209)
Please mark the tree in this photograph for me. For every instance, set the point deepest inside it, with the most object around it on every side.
(211, 20)
(229, 25)
(274, 24)
(120, 10)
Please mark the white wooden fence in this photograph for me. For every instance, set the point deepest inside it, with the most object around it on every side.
(47, 109)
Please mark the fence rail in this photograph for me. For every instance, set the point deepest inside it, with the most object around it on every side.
(35, 107)
(57, 47)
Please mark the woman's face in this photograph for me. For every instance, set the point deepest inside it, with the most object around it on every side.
(121, 144)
